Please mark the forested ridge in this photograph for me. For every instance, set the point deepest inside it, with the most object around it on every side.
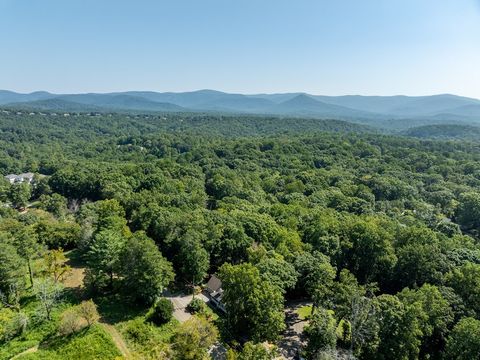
(377, 235)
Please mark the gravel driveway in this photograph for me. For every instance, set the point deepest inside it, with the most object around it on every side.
(180, 303)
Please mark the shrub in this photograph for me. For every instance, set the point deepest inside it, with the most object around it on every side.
(196, 306)
(70, 322)
(78, 317)
(12, 324)
(88, 310)
(161, 312)
(138, 332)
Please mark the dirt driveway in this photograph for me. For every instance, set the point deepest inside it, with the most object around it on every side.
(292, 341)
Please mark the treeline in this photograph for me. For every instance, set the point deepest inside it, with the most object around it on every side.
(445, 131)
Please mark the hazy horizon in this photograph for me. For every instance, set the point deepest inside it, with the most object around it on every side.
(333, 48)
(238, 93)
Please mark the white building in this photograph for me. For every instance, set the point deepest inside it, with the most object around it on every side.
(25, 177)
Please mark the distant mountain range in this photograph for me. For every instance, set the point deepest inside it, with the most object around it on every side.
(369, 108)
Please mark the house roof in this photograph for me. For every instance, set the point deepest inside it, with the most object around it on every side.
(214, 284)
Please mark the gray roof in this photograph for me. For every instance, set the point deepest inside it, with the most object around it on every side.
(214, 284)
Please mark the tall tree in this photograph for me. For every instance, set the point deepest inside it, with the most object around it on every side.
(278, 272)
(254, 306)
(399, 329)
(54, 203)
(192, 259)
(465, 280)
(12, 275)
(27, 246)
(315, 277)
(468, 212)
(464, 340)
(193, 339)
(48, 293)
(144, 271)
(369, 251)
(104, 255)
(20, 194)
(320, 333)
(437, 321)
(56, 264)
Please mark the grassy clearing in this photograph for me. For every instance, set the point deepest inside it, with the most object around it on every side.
(91, 343)
(38, 330)
(146, 339)
(304, 312)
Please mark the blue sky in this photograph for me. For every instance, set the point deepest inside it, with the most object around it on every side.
(334, 47)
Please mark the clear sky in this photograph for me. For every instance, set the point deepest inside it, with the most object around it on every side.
(330, 47)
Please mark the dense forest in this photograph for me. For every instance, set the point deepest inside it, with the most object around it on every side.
(369, 241)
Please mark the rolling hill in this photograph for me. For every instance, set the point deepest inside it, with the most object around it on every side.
(54, 104)
(305, 105)
(445, 131)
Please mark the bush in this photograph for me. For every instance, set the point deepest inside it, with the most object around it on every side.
(88, 311)
(70, 322)
(138, 332)
(78, 317)
(12, 324)
(161, 312)
(196, 306)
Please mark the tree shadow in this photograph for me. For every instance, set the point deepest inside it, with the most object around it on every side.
(115, 308)
(56, 341)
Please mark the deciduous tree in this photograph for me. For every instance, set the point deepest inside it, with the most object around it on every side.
(254, 306)
(144, 271)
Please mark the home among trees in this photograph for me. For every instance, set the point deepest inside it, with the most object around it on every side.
(376, 235)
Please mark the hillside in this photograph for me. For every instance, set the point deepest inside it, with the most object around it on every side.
(54, 104)
(445, 131)
(305, 105)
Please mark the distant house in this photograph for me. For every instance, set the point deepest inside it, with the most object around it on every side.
(215, 292)
(25, 177)
(11, 178)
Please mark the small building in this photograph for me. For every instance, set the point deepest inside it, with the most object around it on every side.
(25, 177)
(11, 178)
(215, 292)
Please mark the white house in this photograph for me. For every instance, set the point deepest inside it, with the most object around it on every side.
(25, 177)
(11, 178)
(215, 292)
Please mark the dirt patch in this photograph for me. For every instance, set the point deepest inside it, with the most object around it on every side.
(75, 278)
